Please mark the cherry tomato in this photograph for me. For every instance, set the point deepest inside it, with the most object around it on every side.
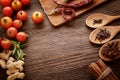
(7, 11)
(16, 5)
(0, 39)
(5, 2)
(11, 32)
(21, 36)
(17, 23)
(0, 2)
(22, 15)
(6, 22)
(37, 17)
(6, 44)
(25, 2)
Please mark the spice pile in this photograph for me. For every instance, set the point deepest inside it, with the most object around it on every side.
(110, 51)
(102, 35)
(97, 21)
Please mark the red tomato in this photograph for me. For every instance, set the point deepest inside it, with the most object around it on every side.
(0, 2)
(16, 5)
(25, 2)
(5, 2)
(0, 39)
(17, 23)
(21, 36)
(7, 11)
(37, 17)
(22, 15)
(11, 32)
(6, 44)
(6, 22)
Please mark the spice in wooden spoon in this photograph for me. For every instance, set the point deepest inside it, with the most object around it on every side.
(110, 51)
(98, 19)
(103, 34)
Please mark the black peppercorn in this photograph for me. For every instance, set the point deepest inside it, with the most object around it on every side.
(102, 35)
(97, 21)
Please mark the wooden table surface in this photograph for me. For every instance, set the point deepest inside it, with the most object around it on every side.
(63, 53)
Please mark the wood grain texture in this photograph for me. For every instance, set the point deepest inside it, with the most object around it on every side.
(63, 53)
(57, 20)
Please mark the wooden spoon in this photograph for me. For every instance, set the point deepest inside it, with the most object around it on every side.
(105, 49)
(113, 30)
(98, 19)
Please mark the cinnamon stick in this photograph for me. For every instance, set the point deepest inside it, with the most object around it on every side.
(112, 76)
(103, 67)
(92, 69)
(99, 67)
(97, 70)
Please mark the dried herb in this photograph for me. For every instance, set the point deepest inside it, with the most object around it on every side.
(111, 50)
(97, 21)
(103, 34)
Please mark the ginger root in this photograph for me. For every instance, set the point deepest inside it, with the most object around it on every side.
(5, 54)
(12, 71)
(3, 63)
(16, 76)
(15, 69)
(12, 64)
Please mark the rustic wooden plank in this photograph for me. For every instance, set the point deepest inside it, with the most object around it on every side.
(62, 53)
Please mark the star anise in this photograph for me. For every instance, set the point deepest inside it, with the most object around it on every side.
(111, 50)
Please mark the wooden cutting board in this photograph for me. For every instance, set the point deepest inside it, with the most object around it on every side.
(57, 20)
